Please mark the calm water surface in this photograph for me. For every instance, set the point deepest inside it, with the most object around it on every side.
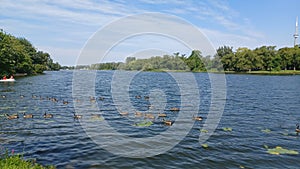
(253, 103)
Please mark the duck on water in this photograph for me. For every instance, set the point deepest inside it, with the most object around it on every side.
(10, 117)
(27, 116)
(297, 128)
(76, 116)
(47, 115)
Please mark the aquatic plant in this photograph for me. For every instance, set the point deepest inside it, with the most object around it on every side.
(228, 129)
(97, 118)
(266, 131)
(144, 124)
(204, 146)
(279, 150)
(203, 131)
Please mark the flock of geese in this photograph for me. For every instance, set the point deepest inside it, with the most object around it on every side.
(26, 116)
(45, 115)
(94, 99)
(159, 115)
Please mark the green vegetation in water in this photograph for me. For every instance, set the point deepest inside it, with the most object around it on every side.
(266, 130)
(227, 129)
(203, 131)
(97, 118)
(266, 146)
(144, 124)
(205, 146)
(17, 162)
(279, 150)
(285, 134)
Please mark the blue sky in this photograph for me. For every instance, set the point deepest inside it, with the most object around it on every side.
(62, 28)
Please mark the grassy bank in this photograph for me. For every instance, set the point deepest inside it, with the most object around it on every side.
(17, 162)
(282, 72)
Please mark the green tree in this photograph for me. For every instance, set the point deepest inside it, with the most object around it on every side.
(18, 55)
(224, 50)
(243, 58)
(130, 59)
(285, 55)
(194, 61)
(266, 54)
(6, 54)
(296, 58)
(226, 55)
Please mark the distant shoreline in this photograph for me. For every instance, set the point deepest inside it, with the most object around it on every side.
(282, 72)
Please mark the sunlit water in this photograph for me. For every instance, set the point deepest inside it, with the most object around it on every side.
(253, 103)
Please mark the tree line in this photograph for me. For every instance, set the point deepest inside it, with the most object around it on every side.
(265, 58)
(18, 55)
(176, 61)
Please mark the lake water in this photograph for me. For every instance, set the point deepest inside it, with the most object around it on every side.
(253, 104)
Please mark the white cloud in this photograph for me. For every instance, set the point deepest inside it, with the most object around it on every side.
(155, 2)
(218, 39)
(215, 12)
(62, 55)
(44, 11)
(62, 27)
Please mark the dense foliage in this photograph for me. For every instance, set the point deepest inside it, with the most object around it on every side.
(157, 63)
(265, 58)
(17, 162)
(18, 55)
(12, 161)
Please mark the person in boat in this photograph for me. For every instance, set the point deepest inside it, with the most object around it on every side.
(4, 77)
(11, 77)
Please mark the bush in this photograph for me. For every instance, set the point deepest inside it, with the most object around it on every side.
(17, 162)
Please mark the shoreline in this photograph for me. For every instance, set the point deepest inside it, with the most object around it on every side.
(283, 72)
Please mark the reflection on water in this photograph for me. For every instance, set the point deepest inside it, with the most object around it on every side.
(253, 104)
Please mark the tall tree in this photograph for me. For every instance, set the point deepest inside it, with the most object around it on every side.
(226, 55)
(224, 50)
(296, 58)
(243, 58)
(266, 53)
(285, 55)
(194, 61)
(18, 55)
